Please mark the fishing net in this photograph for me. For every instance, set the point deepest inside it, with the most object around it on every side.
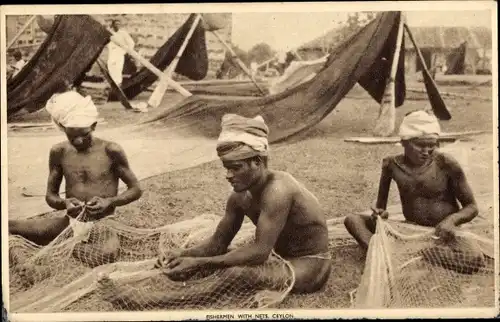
(108, 266)
(408, 267)
(90, 260)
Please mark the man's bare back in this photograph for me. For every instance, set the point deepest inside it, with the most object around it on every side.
(305, 231)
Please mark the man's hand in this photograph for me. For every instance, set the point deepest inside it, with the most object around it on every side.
(164, 260)
(445, 231)
(73, 206)
(98, 205)
(181, 268)
(379, 212)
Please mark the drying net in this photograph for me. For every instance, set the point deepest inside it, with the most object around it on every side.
(408, 267)
(106, 266)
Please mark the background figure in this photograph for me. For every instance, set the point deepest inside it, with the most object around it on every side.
(116, 54)
(18, 56)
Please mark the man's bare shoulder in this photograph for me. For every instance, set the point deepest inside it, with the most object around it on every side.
(113, 149)
(283, 183)
(238, 199)
(389, 160)
(59, 148)
(447, 162)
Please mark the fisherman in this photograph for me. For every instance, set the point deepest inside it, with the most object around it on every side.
(91, 168)
(116, 54)
(430, 183)
(288, 220)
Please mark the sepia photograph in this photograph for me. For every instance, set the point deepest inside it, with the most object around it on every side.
(234, 161)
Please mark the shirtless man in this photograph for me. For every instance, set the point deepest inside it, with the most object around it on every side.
(91, 168)
(288, 219)
(430, 185)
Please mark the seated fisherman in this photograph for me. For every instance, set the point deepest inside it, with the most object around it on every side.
(288, 220)
(430, 183)
(91, 168)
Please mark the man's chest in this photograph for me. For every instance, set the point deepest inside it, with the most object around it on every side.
(431, 182)
(85, 168)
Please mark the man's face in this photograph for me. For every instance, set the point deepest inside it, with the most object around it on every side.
(419, 150)
(242, 174)
(116, 25)
(80, 137)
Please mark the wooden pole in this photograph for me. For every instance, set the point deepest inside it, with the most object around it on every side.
(21, 31)
(386, 121)
(238, 60)
(152, 68)
(157, 95)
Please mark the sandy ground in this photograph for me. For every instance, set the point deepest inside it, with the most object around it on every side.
(343, 175)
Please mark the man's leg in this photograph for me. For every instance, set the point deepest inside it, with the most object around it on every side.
(115, 67)
(311, 274)
(361, 228)
(102, 247)
(40, 231)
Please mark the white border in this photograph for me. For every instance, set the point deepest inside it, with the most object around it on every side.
(236, 8)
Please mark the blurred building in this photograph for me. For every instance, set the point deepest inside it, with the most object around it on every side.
(149, 31)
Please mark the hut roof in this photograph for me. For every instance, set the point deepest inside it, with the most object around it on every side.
(426, 37)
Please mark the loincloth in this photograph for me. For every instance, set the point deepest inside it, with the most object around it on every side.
(325, 255)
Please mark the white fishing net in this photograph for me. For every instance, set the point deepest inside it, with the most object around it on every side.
(108, 266)
(88, 260)
(408, 267)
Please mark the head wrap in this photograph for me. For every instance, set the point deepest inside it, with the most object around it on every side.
(419, 124)
(70, 109)
(242, 138)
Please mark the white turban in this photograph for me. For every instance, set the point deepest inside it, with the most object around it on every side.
(242, 138)
(70, 109)
(419, 124)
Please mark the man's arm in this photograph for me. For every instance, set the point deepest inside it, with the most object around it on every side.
(224, 234)
(463, 193)
(384, 185)
(275, 207)
(55, 179)
(122, 169)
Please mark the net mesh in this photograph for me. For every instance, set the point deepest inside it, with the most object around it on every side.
(408, 267)
(108, 266)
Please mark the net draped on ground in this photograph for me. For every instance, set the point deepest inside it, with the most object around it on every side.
(407, 267)
(67, 275)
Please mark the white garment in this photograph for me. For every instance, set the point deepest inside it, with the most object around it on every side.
(116, 54)
(70, 109)
(18, 66)
(419, 124)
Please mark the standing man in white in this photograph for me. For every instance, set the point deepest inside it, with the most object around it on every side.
(116, 54)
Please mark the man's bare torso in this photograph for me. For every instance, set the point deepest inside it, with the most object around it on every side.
(427, 195)
(90, 173)
(305, 231)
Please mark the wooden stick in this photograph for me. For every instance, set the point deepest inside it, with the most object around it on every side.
(386, 120)
(417, 90)
(157, 95)
(114, 87)
(21, 31)
(240, 63)
(152, 68)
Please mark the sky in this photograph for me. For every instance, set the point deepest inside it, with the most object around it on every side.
(284, 31)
